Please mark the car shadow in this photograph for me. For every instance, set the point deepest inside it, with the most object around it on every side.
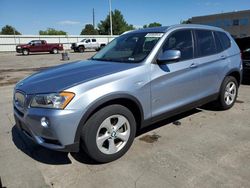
(246, 81)
(36, 151)
(83, 158)
(34, 54)
(47, 156)
(168, 121)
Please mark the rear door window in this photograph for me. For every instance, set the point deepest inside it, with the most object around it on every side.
(205, 43)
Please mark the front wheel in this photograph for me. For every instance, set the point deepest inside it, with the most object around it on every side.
(109, 133)
(25, 52)
(228, 93)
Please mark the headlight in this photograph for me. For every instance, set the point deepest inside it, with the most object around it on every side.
(19, 47)
(52, 100)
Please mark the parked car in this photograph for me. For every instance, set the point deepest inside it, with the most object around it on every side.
(139, 78)
(244, 45)
(87, 44)
(246, 62)
(38, 46)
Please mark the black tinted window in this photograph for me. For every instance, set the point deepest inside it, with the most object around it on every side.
(225, 41)
(93, 40)
(218, 43)
(181, 40)
(205, 41)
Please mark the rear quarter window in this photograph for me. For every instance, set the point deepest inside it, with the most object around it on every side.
(224, 40)
(218, 43)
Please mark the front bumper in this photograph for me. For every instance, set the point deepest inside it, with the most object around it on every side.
(60, 133)
(74, 47)
(19, 50)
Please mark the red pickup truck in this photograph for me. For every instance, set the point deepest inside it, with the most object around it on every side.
(38, 46)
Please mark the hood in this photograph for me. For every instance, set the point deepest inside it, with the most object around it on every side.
(23, 45)
(61, 77)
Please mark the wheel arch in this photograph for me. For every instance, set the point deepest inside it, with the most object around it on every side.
(26, 49)
(126, 100)
(82, 45)
(236, 74)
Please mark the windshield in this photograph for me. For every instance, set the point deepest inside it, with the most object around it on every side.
(131, 48)
(83, 40)
(31, 42)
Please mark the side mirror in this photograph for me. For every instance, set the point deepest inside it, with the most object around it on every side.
(169, 55)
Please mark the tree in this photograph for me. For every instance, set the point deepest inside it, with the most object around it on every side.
(188, 21)
(89, 30)
(118, 22)
(9, 30)
(51, 31)
(154, 24)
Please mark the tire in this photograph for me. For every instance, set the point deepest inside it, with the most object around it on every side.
(228, 93)
(101, 134)
(55, 51)
(25, 52)
(81, 49)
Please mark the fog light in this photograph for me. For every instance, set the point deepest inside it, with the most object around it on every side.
(44, 122)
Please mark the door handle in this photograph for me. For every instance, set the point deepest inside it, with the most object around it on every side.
(223, 57)
(193, 65)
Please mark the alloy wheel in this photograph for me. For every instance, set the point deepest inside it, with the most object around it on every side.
(230, 93)
(113, 134)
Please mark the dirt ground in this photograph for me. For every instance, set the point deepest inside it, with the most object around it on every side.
(14, 67)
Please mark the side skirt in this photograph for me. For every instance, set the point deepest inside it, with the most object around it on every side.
(179, 110)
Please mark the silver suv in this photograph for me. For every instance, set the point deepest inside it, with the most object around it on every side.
(141, 77)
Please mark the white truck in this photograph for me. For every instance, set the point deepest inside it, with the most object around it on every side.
(90, 43)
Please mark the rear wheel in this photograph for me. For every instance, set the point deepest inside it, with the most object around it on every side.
(81, 49)
(228, 93)
(25, 52)
(109, 133)
(55, 51)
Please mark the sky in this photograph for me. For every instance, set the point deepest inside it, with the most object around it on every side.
(30, 16)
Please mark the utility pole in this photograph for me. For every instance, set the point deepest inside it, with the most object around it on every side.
(15, 35)
(110, 18)
(94, 18)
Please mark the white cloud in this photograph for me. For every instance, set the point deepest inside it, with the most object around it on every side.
(138, 26)
(68, 22)
(209, 3)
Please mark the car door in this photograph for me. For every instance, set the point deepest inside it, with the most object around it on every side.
(175, 84)
(87, 43)
(212, 60)
(36, 46)
(94, 43)
(44, 47)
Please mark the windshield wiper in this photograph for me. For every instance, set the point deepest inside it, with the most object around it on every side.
(104, 59)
